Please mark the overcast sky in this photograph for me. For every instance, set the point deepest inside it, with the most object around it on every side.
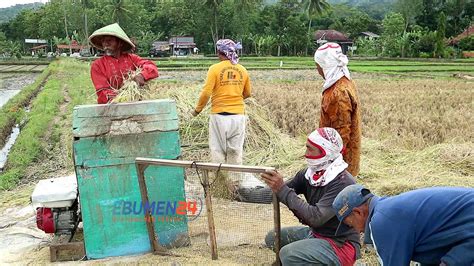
(7, 3)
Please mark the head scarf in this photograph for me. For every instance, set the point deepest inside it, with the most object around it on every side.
(229, 48)
(333, 62)
(324, 168)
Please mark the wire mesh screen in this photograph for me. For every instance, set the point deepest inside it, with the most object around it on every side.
(242, 212)
(240, 226)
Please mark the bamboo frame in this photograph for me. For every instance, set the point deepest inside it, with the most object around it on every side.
(143, 163)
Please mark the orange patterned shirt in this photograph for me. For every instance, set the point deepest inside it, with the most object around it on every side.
(340, 109)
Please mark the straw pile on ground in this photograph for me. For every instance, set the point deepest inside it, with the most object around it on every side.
(265, 144)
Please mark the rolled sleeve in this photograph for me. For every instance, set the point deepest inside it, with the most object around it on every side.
(149, 69)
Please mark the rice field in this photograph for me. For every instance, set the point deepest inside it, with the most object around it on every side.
(29, 68)
(404, 67)
(417, 132)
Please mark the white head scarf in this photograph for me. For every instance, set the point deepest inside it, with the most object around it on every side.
(333, 62)
(329, 142)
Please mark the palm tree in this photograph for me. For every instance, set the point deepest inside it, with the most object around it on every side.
(85, 3)
(313, 7)
(214, 6)
(119, 9)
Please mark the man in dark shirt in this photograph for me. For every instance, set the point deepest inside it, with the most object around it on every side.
(326, 175)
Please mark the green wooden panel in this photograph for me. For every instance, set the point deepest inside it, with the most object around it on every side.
(82, 122)
(125, 118)
(111, 206)
(113, 216)
(129, 128)
(152, 107)
(154, 145)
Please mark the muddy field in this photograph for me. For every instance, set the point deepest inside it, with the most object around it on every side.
(22, 68)
(11, 84)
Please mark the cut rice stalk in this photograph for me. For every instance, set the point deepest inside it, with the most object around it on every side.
(131, 91)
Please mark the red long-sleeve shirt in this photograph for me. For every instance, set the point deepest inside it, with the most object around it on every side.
(108, 73)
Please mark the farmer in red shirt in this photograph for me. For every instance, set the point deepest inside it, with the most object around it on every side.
(110, 70)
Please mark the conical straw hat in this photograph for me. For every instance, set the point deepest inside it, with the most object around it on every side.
(112, 30)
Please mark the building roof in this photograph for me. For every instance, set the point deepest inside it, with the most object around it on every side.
(35, 41)
(72, 46)
(466, 33)
(370, 34)
(39, 47)
(161, 45)
(331, 36)
(181, 39)
(182, 42)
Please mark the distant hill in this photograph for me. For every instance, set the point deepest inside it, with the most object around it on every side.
(375, 8)
(361, 2)
(8, 13)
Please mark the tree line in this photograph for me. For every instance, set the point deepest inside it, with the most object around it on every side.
(408, 28)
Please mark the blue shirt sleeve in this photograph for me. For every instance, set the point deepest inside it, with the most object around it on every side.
(393, 241)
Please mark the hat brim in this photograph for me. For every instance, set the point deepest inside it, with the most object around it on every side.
(96, 41)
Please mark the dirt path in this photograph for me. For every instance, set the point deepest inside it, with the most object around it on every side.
(19, 234)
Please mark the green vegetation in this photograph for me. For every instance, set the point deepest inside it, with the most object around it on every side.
(24, 61)
(12, 111)
(48, 126)
(8, 13)
(285, 27)
(393, 66)
(28, 145)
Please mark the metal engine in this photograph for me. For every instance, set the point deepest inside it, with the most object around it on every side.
(57, 207)
(59, 221)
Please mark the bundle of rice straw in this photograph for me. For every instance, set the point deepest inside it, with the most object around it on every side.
(130, 90)
(265, 144)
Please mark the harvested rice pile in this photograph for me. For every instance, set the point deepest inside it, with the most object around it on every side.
(131, 91)
(265, 144)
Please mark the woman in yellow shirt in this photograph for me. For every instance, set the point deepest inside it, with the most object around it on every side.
(227, 84)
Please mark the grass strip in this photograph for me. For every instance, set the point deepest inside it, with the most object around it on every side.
(29, 144)
(12, 110)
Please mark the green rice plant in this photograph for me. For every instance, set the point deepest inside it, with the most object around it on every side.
(11, 112)
(28, 145)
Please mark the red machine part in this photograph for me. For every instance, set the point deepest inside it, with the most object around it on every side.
(45, 220)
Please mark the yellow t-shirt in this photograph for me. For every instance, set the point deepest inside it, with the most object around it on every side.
(227, 85)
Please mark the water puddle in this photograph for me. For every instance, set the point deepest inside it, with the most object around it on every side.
(9, 87)
(12, 85)
(6, 95)
(8, 145)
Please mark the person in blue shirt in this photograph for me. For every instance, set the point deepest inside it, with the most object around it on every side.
(432, 226)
